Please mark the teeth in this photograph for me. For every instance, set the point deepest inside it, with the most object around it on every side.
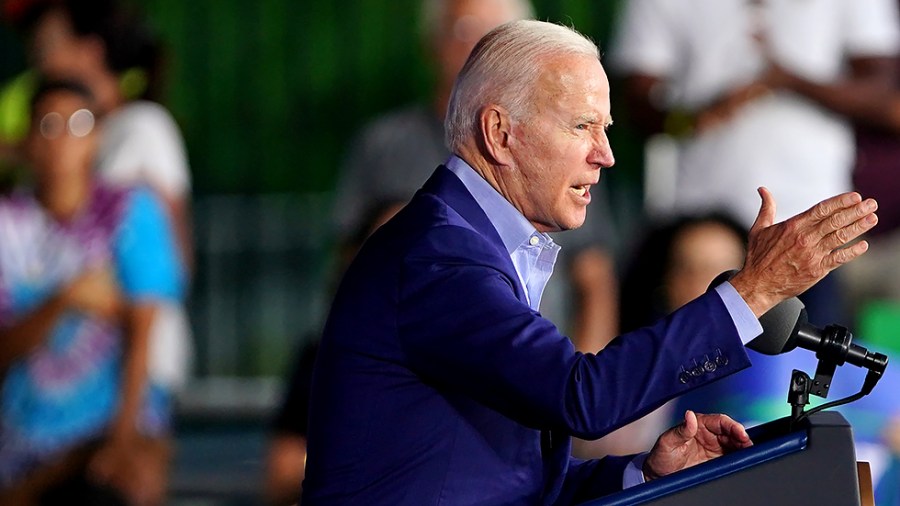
(579, 190)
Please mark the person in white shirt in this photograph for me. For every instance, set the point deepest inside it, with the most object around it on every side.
(757, 93)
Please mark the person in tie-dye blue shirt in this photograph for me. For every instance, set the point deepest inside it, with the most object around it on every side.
(82, 269)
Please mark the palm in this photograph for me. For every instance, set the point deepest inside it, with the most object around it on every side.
(698, 439)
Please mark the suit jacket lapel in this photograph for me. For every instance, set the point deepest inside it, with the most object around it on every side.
(446, 186)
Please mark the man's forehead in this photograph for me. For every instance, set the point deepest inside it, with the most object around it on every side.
(573, 79)
(572, 72)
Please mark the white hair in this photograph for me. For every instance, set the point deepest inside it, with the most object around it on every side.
(503, 69)
(433, 12)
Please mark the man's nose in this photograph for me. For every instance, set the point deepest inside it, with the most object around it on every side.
(602, 154)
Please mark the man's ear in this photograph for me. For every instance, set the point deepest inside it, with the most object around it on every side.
(495, 127)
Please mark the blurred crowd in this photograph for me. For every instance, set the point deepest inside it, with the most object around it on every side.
(96, 241)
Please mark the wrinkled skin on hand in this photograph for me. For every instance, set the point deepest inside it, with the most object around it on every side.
(698, 439)
(787, 258)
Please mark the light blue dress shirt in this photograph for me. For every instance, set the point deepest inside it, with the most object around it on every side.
(534, 254)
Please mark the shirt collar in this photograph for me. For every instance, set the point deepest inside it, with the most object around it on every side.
(513, 227)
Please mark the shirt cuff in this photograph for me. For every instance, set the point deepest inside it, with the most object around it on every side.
(745, 321)
(634, 471)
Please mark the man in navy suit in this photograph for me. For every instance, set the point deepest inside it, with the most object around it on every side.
(438, 382)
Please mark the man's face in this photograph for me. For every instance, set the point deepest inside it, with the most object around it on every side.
(560, 145)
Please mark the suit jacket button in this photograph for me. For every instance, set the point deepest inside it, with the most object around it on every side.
(710, 366)
(697, 371)
(684, 377)
(721, 360)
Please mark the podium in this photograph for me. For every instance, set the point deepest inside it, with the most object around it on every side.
(815, 463)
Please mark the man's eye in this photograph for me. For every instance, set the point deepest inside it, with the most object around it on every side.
(582, 126)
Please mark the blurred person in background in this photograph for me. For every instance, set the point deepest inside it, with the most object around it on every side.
(759, 93)
(84, 267)
(393, 156)
(673, 265)
(105, 45)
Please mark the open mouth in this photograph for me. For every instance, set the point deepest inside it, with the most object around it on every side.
(580, 190)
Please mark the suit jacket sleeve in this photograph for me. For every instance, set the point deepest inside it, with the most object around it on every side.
(590, 479)
(463, 327)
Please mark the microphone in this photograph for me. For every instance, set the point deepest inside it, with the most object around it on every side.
(786, 326)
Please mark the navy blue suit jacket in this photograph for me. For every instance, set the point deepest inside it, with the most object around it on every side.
(437, 384)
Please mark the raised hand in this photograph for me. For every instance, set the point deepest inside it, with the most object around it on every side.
(786, 259)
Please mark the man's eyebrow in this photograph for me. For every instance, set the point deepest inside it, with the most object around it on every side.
(592, 120)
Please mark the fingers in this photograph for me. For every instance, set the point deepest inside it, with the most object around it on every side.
(827, 207)
(845, 226)
(734, 435)
(724, 434)
(766, 216)
(844, 255)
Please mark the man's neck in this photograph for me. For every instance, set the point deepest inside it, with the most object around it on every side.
(489, 172)
(484, 168)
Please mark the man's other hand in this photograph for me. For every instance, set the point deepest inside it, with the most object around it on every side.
(698, 439)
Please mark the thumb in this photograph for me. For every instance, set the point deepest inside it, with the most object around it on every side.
(687, 430)
(766, 216)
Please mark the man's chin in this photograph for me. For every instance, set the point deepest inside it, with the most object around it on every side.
(562, 224)
(574, 222)
(570, 225)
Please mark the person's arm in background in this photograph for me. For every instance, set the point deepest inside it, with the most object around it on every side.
(863, 96)
(591, 272)
(286, 457)
(866, 96)
(149, 271)
(179, 209)
(94, 291)
(596, 317)
(644, 53)
(870, 38)
(285, 468)
(116, 462)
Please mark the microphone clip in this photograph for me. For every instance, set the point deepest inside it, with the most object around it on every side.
(834, 349)
(833, 352)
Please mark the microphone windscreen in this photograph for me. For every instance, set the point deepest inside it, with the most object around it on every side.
(778, 326)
